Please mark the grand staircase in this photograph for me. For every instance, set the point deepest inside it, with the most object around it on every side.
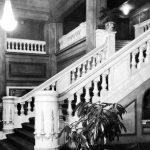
(96, 76)
(22, 138)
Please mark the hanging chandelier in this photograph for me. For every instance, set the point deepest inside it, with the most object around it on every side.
(8, 22)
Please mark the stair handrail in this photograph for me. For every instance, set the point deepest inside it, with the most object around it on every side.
(53, 80)
(119, 56)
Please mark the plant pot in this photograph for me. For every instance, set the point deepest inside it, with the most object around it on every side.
(110, 26)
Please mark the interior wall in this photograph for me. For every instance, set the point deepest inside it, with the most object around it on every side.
(74, 18)
(133, 117)
(28, 29)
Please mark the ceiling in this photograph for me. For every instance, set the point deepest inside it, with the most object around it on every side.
(54, 9)
(40, 9)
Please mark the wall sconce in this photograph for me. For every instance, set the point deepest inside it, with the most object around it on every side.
(8, 22)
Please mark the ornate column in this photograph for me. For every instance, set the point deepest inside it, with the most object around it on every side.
(2, 69)
(100, 4)
(8, 114)
(46, 120)
(52, 33)
(90, 24)
(93, 8)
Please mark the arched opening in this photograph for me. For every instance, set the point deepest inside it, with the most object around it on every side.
(146, 106)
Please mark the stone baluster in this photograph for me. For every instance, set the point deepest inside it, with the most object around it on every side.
(53, 87)
(31, 46)
(8, 45)
(78, 72)
(95, 97)
(29, 106)
(69, 110)
(87, 94)
(37, 47)
(78, 94)
(40, 48)
(147, 59)
(141, 57)
(43, 48)
(13, 45)
(28, 47)
(133, 61)
(8, 114)
(22, 109)
(73, 76)
(84, 68)
(88, 65)
(93, 62)
(46, 120)
(17, 46)
(104, 84)
(98, 58)
(23, 46)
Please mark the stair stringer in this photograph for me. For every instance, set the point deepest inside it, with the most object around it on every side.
(138, 135)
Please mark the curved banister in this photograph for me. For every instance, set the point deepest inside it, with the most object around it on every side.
(62, 73)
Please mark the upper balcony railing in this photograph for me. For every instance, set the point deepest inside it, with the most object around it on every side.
(73, 36)
(142, 27)
(25, 46)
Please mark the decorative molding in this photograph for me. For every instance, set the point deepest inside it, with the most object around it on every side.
(71, 46)
(18, 90)
(27, 69)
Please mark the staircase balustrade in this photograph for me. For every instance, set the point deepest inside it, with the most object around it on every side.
(142, 27)
(93, 78)
(109, 76)
(25, 46)
(26, 106)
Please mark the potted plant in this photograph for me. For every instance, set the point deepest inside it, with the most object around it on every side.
(96, 124)
(109, 17)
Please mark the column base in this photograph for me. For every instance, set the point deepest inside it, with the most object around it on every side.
(8, 131)
(2, 135)
(54, 148)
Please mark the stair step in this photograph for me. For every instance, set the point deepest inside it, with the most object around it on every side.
(32, 120)
(20, 142)
(5, 145)
(28, 126)
(121, 43)
(25, 134)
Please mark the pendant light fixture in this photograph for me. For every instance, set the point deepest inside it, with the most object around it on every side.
(8, 22)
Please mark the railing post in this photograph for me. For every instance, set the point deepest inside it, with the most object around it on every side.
(8, 114)
(100, 37)
(138, 30)
(103, 36)
(111, 43)
(46, 120)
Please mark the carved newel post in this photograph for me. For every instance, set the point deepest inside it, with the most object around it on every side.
(46, 120)
(8, 113)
